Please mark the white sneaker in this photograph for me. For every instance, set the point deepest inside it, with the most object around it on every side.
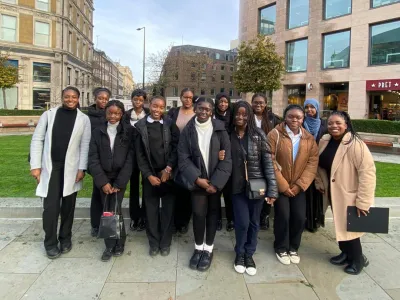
(283, 257)
(251, 268)
(239, 264)
(294, 257)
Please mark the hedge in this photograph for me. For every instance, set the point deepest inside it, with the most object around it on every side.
(377, 126)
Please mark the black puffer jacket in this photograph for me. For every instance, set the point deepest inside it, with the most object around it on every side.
(108, 166)
(97, 116)
(259, 164)
(171, 139)
(191, 164)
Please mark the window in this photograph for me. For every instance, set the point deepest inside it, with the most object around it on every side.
(176, 76)
(69, 76)
(204, 66)
(213, 78)
(77, 20)
(42, 5)
(70, 12)
(230, 79)
(337, 50)
(377, 3)
(193, 77)
(42, 34)
(84, 52)
(337, 8)
(203, 76)
(70, 41)
(217, 56)
(41, 97)
(296, 56)
(214, 67)
(227, 57)
(230, 92)
(78, 46)
(76, 78)
(222, 78)
(385, 43)
(232, 68)
(10, 1)
(41, 72)
(212, 92)
(222, 90)
(175, 91)
(298, 13)
(222, 67)
(8, 28)
(202, 92)
(267, 20)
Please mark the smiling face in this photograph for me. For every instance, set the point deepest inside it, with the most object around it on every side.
(102, 99)
(187, 99)
(294, 119)
(311, 111)
(223, 104)
(138, 102)
(70, 99)
(203, 111)
(337, 126)
(258, 105)
(113, 114)
(241, 117)
(157, 108)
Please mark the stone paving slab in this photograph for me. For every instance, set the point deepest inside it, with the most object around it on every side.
(10, 231)
(395, 294)
(142, 291)
(14, 286)
(279, 291)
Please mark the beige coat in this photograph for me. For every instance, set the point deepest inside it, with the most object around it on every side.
(353, 180)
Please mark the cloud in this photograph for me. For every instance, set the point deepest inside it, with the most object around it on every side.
(208, 23)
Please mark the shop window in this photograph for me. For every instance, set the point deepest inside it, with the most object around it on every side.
(41, 97)
(298, 13)
(11, 98)
(385, 43)
(377, 3)
(384, 105)
(296, 56)
(336, 97)
(337, 8)
(296, 94)
(267, 20)
(41, 72)
(337, 50)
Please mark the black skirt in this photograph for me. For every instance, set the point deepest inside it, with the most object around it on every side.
(315, 214)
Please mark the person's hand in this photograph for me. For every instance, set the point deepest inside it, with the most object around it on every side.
(221, 155)
(107, 189)
(289, 193)
(295, 189)
(165, 176)
(35, 173)
(154, 181)
(203, 183)
(211, 189)
(79, 176)
(361, 211)
(270, 201)
(116, 190)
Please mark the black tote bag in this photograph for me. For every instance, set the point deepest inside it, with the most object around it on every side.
(110, 225)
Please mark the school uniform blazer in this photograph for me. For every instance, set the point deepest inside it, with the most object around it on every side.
(77, 152)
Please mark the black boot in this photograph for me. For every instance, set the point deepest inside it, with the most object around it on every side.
(65, 247)
(219, 225)
(118, 250)
(53, 253)
(133, 225)
(94, 232)
(355, 268)
(107, 254)
(141, 225)
(194, 261)
(339, 260)
(205, 261)
(230, 226)
(264, 223)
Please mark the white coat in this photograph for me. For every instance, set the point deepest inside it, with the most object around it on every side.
(76, 157)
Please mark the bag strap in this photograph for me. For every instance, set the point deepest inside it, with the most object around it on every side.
(276, 150)
(116, 202)
(244, 159)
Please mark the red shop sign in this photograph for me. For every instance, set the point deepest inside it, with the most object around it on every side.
(383, 85)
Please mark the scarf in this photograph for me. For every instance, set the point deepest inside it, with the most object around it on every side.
(312, 124)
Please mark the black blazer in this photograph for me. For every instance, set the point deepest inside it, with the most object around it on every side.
(191, 164)
(106, 166)
(171, 139)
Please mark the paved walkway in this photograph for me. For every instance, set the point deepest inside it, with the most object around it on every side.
(388, 158)
(26, 273)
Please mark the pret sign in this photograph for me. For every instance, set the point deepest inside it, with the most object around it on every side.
(383, 85)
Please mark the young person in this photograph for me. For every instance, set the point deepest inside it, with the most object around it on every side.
(296, 162)
(97, 116)
(317, 127)
(346, 177)
(181, 116)
(251, 155)
(266, 121)
(205, 175)
(156, 150)
(131, 117)
(223, 112)
(110, 164)
(58, 159)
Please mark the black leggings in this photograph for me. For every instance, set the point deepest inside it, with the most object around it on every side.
(205, 216)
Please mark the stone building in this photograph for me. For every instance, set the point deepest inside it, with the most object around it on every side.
(128, 82)
(345, 53)
(51, 42)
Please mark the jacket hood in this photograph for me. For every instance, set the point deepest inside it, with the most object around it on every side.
(97, 113)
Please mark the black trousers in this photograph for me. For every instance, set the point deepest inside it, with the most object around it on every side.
(159, 221)
(54, 205)
(108, 202)
(183, 207)
(289, 221)
(96, 207)
(247, 223)
(353, 250)
(227, 192)
(205, 216)
(136, 211)
(266, 210)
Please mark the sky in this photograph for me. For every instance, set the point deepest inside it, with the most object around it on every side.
(207, 23)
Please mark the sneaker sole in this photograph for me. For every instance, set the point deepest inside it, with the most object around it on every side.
(244, 270)
(283, 262)
(66, 251)
(251, 273)
(54, 257)
(105, 260)
(294, 262)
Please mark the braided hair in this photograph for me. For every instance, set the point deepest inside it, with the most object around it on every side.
(265, 126)
(120, 105)
(251, 119)
(350, 128)
(98, 90)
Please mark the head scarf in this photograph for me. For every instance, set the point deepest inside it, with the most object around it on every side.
(312, 124)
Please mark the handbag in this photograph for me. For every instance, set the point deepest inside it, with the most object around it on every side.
(255, 187)
(110, 222)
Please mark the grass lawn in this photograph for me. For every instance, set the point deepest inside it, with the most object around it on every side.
(16, 181)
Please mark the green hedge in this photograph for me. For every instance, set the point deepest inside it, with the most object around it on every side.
(377, 126)
(16, 112)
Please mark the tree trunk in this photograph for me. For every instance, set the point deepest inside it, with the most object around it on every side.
(4, 98)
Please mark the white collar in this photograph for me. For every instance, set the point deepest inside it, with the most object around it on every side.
(150, 120)
(291, 134)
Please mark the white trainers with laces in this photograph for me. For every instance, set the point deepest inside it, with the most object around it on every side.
(283, 257)
(294, 257)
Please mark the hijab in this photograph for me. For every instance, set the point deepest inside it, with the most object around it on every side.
(312, 124)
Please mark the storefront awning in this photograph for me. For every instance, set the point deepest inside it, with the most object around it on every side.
(383, 85)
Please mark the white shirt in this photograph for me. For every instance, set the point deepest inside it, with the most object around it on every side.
(204, 133)
(258, 122)
(112, 133)
(295, 140)
(135, 118)
(150, 120)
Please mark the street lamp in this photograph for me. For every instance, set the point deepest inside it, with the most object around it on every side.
(144, 52)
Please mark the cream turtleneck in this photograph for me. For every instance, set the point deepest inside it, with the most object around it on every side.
(112, 133)
(204, 133)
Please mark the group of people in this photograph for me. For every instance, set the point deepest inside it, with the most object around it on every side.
(191, 156)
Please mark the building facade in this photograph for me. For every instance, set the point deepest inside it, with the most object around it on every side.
(51, 43)
(205, 71)
(127, 79)
(345, 53)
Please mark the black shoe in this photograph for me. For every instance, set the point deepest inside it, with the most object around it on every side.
(194, 261)
(107, 254)
(165, 251)
(219, 225)
(184, 229)
(133, 225)
(53, 253)
(94, 232)
(240, 265)
(264, 223)
(174, 229)
(205, 261)
(339, 260)
(251, 268)
(230, 226)
(118, 250)
(141, 225)
(355, 269)
(154, 251)
(65, 247)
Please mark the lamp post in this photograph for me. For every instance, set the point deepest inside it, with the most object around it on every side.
(144, 53)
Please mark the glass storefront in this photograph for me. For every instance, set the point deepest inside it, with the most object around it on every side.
(296, 94)
(336, 97)
(384, 105)
(41, 97)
